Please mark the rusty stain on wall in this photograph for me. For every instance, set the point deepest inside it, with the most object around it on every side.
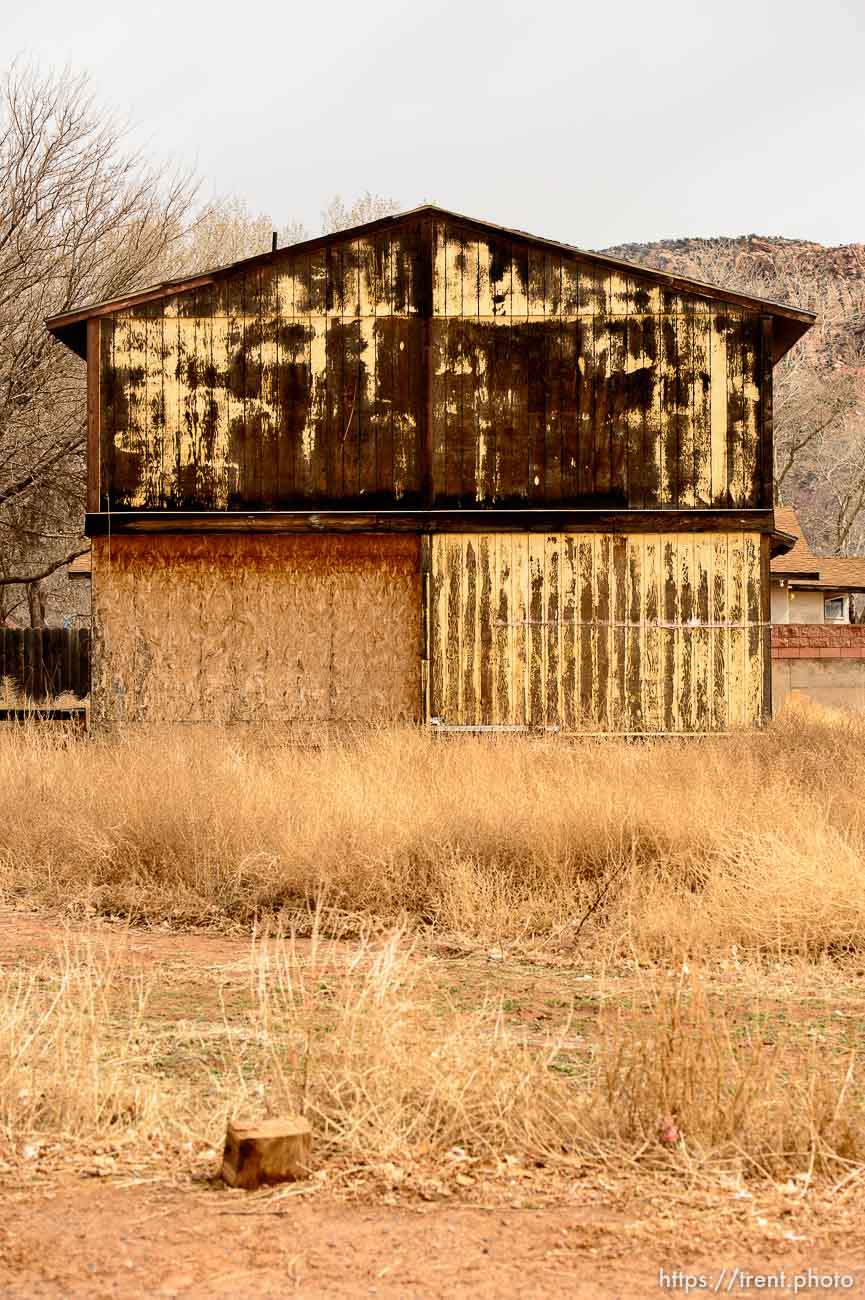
(251, 629)
(610, 632)
(550, 380)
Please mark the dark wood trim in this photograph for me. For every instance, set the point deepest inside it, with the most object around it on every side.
(76, 713)
(782, 542)
(766, 621)
(428, 521)
(427, 485)
(767, 485)
(112, 305)
(426, 630)
(94, 365)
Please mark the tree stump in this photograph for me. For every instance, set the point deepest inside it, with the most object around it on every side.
(272, 1151)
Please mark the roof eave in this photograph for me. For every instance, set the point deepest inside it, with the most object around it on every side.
(824, 584)
(74, 335)
(786, 333)
(781, 542)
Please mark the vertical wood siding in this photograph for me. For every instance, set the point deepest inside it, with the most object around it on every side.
(598, 632)
(296, 382)
(433, 364)
(220, 629)
(45, 662)
(556, 380)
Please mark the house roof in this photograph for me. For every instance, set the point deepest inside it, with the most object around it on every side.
(790, 322)
(80, 566)
(801, 567)
(799, 560)
(838, 572)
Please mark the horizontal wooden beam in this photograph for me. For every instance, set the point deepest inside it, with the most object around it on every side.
(428, 521)
(76, 713)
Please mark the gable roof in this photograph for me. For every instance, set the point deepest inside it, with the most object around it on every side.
(802, 568)
(790, 322)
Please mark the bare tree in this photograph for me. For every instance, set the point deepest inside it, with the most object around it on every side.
(81, 219)
(810, 410)
(367, 207)
(829, 487)
(227, 231)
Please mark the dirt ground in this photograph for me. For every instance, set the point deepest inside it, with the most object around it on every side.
(86, 1239)
(167, 1233)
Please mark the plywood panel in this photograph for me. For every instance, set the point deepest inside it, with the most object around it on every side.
(256, 629)
(598, 632)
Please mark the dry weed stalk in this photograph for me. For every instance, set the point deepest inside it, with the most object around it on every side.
(73, 1049)
(11, 695)
(753, 840)
(691, 1073)
(383, 1067)
(387, 1069)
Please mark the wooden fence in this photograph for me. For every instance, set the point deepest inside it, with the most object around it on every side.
(45, 662)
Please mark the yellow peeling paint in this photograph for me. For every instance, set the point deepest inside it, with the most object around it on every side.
(597, 632)
(621, 294)
(648, 416)
(718, 413)
(317, 366)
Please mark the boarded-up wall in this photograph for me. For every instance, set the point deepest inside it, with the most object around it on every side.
(599, 632)
(256, 629)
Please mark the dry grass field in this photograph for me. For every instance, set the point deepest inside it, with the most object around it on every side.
(611, 990)
(752, 842)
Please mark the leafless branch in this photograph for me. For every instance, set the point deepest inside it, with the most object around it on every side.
(16, 579)
(82, 218)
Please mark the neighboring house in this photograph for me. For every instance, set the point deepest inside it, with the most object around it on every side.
(809, 588)
(816, 651)
(432, 470)
(79, 569)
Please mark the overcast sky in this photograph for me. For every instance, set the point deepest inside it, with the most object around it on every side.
(594, 123)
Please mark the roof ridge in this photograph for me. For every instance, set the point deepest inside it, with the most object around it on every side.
(791, 322)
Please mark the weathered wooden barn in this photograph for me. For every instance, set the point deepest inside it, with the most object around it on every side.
(432, 469)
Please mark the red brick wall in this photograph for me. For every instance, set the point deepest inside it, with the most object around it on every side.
(818, 641)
